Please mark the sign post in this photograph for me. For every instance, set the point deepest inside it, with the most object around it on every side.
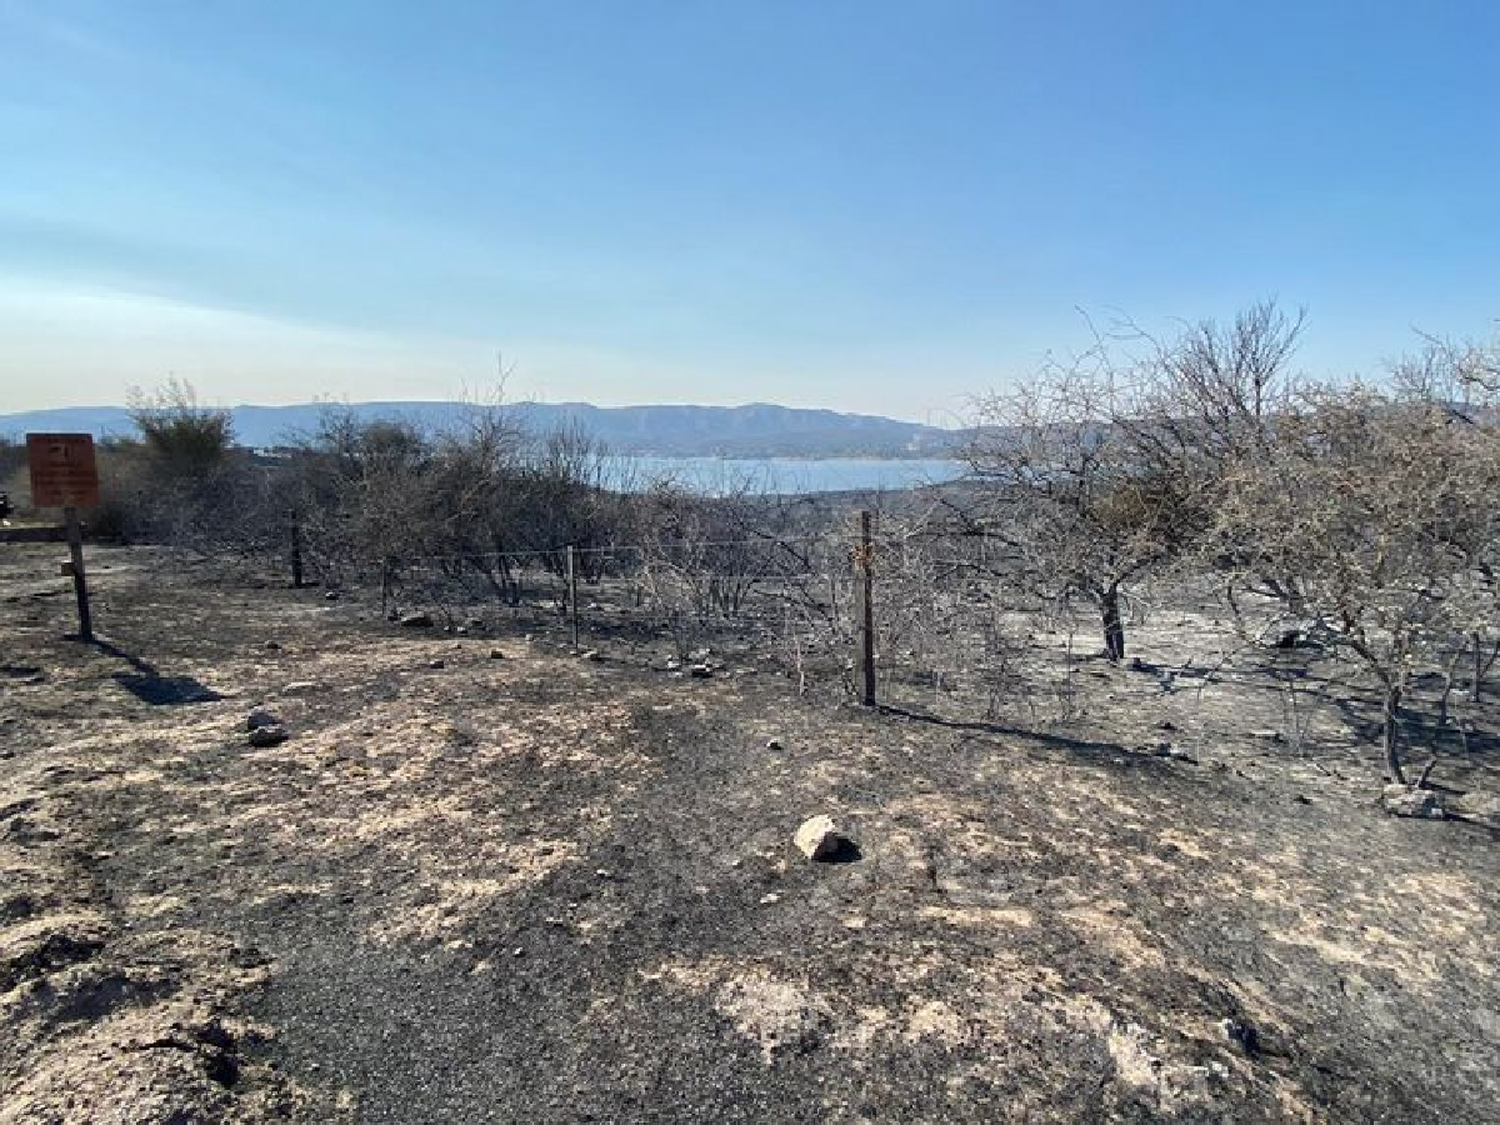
(64, 475)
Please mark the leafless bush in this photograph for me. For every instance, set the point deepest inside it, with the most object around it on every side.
(384, 495)
(1378, 506)
(740, 558)
(1099, 473)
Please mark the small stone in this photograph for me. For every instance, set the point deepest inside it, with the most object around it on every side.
(1176, 753)
(1422, 804)
(496, 654)
(260, 717)
(818, 838)
(770, 900)
(435, 664)
(518, 952)
(592, 654)
(273, 735)
(332, 596)
(299, 687)
(773, 744)
(1268, 735)
(700, 671)
(273, 646)
(415, 621)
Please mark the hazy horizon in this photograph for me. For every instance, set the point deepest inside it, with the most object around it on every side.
(876, 208)
(951, 421)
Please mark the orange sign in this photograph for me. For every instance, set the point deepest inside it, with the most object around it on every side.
(63, 474)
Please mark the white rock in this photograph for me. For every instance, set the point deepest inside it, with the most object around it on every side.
(818, 838)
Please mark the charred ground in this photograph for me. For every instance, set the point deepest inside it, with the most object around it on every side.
(544, 888)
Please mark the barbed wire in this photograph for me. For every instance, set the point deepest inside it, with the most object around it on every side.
(771, 542)
(711, 575)
(906, 543)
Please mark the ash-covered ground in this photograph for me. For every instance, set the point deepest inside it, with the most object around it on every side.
(535, 887)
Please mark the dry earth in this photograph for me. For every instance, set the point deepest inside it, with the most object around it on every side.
(540, 888)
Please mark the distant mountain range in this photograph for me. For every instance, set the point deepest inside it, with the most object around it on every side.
(757, 430)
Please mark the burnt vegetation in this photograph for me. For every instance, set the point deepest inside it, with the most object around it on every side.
(1337, 539)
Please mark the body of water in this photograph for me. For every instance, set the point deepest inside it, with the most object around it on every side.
(784, 475)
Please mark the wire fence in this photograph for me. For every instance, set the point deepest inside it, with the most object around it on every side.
(795, 603)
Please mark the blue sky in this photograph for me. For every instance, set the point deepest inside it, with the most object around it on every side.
(883, 207)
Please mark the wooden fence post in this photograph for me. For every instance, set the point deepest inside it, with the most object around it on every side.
(865, 565)
(296, 552)
(80, 582)
(573, 593)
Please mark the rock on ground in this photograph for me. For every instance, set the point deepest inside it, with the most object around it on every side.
(818, 838)
(273, 735)
(1403, 800)
(260, 717)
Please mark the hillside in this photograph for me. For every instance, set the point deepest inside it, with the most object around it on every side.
(756, 430)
